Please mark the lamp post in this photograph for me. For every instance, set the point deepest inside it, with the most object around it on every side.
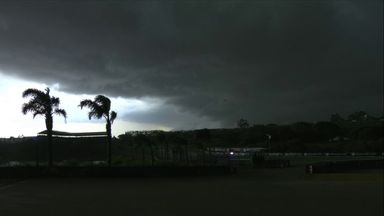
(269, 137)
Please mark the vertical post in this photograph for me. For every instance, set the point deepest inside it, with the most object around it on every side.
(109, 143)
(37, 152)
(269, 137)
(50, 152)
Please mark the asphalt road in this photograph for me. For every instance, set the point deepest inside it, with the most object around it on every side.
(260, 192)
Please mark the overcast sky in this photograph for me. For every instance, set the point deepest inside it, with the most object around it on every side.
(192, 64)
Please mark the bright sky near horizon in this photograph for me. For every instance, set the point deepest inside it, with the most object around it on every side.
(15, 124)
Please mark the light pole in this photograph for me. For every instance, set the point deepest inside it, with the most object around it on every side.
(269, 137)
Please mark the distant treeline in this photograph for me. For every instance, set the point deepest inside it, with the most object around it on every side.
(359, 132)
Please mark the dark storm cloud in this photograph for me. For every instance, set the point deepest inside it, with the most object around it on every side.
(268, 61)
(171, 116)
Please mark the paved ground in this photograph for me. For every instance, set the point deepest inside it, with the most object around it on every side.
(260, 192)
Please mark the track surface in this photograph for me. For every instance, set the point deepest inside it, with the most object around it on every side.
(251, 192)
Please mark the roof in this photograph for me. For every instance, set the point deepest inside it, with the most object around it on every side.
(69, 134)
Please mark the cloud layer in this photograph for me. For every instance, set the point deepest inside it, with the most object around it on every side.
(268, 61)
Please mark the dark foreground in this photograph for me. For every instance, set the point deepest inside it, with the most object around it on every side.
(250, 192)
(172, 171)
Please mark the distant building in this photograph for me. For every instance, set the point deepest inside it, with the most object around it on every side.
(81, 146)
(73, 135)
(237, 156)
(236, 150)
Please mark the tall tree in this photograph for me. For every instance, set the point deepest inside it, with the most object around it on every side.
(358, 116)
(242, 123)
(41, 103)
(100, 107)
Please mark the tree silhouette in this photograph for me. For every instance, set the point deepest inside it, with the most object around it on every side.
(358, 116)
(100, 107)
(242, 123)
(41, 103)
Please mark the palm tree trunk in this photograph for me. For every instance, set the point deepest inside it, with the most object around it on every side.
(49, 124)
(50, 160)
(37, 153)
(109, 142)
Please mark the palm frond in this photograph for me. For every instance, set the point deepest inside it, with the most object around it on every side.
(41, 103)
(55, 101)
(113, 116)
(37, 113)
(99, 112)
(96, 110)
(33, 93)
(40, 100)
(92, 114)
(27, 107)
(104, 103)
(86, 103)
(33, 108)
(61, 112)
(33, 105)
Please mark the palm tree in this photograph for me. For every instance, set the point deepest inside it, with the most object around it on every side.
(100, 107)
(41, 103)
